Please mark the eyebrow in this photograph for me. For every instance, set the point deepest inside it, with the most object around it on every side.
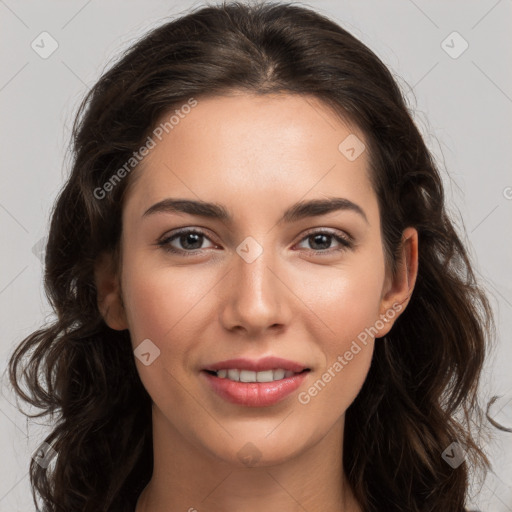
(296, 212)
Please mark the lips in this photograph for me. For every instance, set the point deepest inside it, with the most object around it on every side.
(290, 375)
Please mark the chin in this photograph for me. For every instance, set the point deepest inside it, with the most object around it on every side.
(257, 451)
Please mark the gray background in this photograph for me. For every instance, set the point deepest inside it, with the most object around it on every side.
(462, 105)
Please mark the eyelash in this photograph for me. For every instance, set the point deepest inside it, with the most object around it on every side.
(346, 242)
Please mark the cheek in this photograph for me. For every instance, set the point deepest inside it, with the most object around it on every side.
(346, 300)
(159, 300)
(159, 306)
(168, 306)
(348, 313)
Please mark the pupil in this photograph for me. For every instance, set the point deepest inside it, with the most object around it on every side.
(321, 239)
(195, 239)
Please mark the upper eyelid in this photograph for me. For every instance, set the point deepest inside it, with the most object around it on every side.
(332, 231)
(179, 231)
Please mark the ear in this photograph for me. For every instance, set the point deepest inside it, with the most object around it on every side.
(398, 289)
(109, 299)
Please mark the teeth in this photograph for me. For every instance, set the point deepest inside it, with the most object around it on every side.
(250, 376)
(234, 375)
(279, 374)
(266, 376)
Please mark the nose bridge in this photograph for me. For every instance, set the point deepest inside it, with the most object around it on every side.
(256, 298)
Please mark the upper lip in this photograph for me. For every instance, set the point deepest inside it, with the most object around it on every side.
(266, 363)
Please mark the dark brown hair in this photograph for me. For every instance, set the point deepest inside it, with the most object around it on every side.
(421, 391)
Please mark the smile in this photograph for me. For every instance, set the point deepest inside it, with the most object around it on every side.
(251, 376)
(241, 387)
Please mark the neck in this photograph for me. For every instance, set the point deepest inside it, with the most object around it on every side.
(190, 478)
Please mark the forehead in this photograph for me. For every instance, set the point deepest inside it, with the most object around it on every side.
(266, 150)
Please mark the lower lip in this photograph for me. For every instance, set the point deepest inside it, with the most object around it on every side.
(255, 394)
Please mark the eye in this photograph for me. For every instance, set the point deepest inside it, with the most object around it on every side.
(191, 240)
(320, 241)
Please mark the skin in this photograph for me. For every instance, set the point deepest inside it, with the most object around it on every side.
(256, 155)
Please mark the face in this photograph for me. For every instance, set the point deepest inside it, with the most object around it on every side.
(269, 279)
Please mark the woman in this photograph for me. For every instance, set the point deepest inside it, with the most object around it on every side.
(261, 301)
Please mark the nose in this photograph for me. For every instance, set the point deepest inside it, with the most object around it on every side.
(256, 298)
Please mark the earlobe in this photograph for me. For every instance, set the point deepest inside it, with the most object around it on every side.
(109, 297)
(400, 287)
